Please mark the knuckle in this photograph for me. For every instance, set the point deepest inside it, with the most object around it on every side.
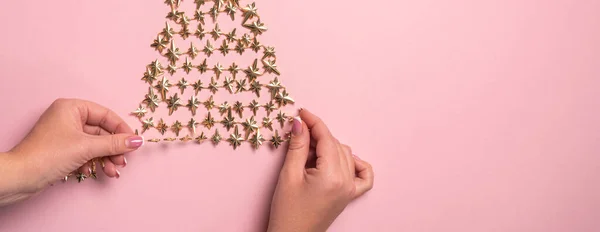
(296, 144)
(115, 145)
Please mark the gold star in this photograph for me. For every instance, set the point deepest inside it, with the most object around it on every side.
(255, 46)
(163, 87)
(173, 53)
(246, 39)
(233, 69)
(249, 12)
(230, 10)
(255, 87)
(216, 32)
(270, 67)
(192, 125)
(81, 177)
(230, 37)
(235, 139)
(140, 111)
(238, 107)
(213, 86)
(250, 125)
(208, 49)
(267, 123)
(193, 51)
(185, 32)
(214, 13)
(257, 140)
(156, 67)
(159, 43)
(184, 20)
(147, 124)
(173, 103)
(218, 69)
(182, 84)
(240, 85)
(209, 121)
(228, 84)
(202, 67)
(274, 86)
(223, 108)
(252, 72)
(256, 27)
(201, 137)
(224, 49)
(151, 100)
(216, 138)
(172, 68)
(269, 107)
(149, 77)
(176, 127)
(193, 104)
(187, 66)
(269, 52)
(186, 138)
(228, 121)
(283, 98)
(170, 139)
(197, 86)
(254, 106)
(168, 31)
(173, 14)
(162, 127)
(200, 32)
(281, 117)
(240, 48)
(276, 140)
(199, 3)
(210, 103)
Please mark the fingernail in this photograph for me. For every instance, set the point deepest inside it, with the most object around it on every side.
(89, 170)
(297, 126)
(356, 157)
(118, 173)
(124, 161)
(134, 142)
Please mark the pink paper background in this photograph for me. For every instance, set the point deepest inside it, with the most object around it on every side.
(477, 115)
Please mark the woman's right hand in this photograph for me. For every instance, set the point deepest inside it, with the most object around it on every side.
(319, 178)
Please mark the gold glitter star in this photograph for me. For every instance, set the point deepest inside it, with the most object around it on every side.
(214, 13)
(202, 67)
(255, 45)
(187, 66)
(228, 84)
(200, 32)
(249, 12)
(235, 139)
(168, 31)
(230, 10)
(283, 98)
(173, 14)
(240, 48)
(193, 51)
(186, 138)
(246, 39)
(255, 87)
(281, 117)
(276, 140)
(238, 107)
(199, 3)
(201, 137)
(254, 106)
(256, 27)
(147, 124)
(213, 86)
(230, 37)
(81, 177)
(170, 139)
(184, 20)
(250, 125)
(209, 121)
(224, 49)
(228, 121)
(159, 43)
(252, 72)
(193, 104)
(140, 111)
(210, 103)
(257, 140)
(269, 52)
(223, 108)
(172, 68)
(208, 49)
(233, 69)
(218, 69)
(173, 53)
(197, 86)
(162, 127)
(185, 32)
(267, 123)
(216, 138)
(156, 67)
(149, 77)
(173, 103)
(192, 125)
(274, 86)
(240, 85)
(163, 87)
(216, 32)
(176, 127)
(270, 67)
(151, 100)
(269, 107)
(182, 85)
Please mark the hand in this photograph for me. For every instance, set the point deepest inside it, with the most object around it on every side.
(66, 137)
(314, 189)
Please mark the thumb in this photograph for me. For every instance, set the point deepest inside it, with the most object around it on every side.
(109, 145)
(297, 153)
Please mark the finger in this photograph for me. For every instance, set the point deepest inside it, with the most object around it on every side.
(96, 115)
(86, 169)
(326, 147)
(109, 145)
(109, 168)
(364, 177)
(349, 159)
(96, 130)
(298, 148)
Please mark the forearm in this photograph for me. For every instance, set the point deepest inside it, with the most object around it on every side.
(10, 169)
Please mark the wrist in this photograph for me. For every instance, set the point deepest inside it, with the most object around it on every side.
(12, 187)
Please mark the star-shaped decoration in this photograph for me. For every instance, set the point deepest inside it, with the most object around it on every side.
(147, 124)
(230, 37)
(254, 106)
(93, 174)
(269, 107)
(182, 85)
(252, 72)
(274, 86)
(160, 43)
(81, 177)
(255, 45)
(216, 138)
(149, 77)
(235, 139)
(240, 48)
(187, 66)
(199, 16)
(199, 3)
(200, 32)
(255, 87)
(173, 14)
(202, 67)
(224, 49)
(192, 124)
(269, 52)
(140, 112)
(197, 86)
(173, 103)
(256, 140)
(228, 84)
(233, 69)
(172, 68)
(238, 107)
(249, 12)
(214, 13)
(151, 100)
(208, 49)
(281, 117)
(184, 20)
(240, 85)
(210, 103)
(270, 67)
(162, 127)
(267, 123)
(223, 108)
(186, 138)
(228, 121)
(201, 138)
(173, 53)
(216, 32)
(230, 9)
(213, 86)
(163, 87)
(256, 27)
(168, 31)
(250, 125)
(276, 140)
(176, 127)
(209, 121)
(283, 98)
(156, 67)
(218, 69)
(193, 104)
(246, 39)
(170, 139)
(185, 32)
(192, 51)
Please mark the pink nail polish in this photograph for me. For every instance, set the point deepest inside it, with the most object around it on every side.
(118, 173)
(124, 161)
(134, 142)
(297, 126)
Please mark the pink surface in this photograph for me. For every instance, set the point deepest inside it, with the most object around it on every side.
(476, 115)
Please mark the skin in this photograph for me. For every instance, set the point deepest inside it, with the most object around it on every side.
(319, 178)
